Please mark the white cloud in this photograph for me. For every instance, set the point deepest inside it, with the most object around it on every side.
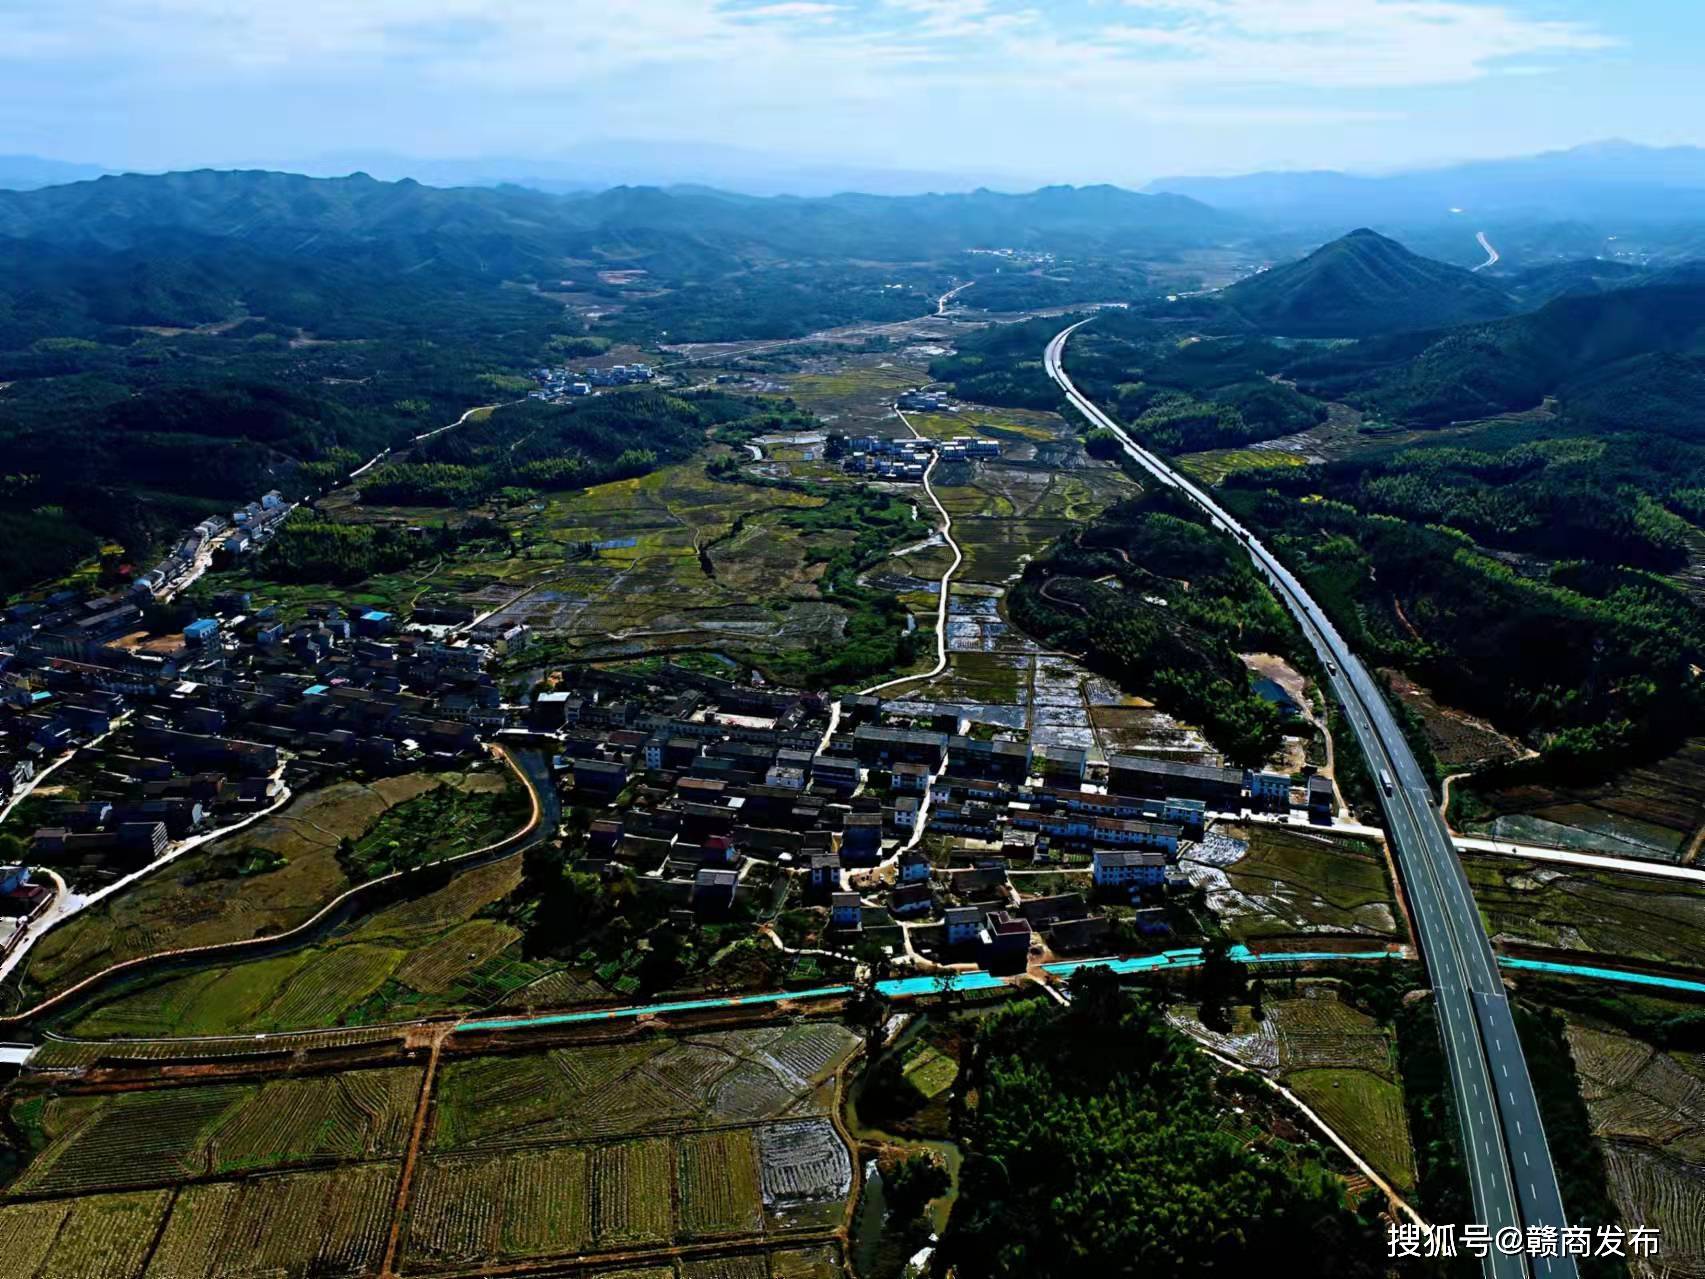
(868, 75)
(1335, 44)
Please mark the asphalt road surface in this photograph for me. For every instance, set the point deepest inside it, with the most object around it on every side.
(1510, 1172)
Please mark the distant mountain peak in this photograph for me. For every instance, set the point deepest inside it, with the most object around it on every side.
(1361, 284)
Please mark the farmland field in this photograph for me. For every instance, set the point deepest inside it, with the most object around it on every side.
(1338, 1060)
(1656, 810)
(631, 1144)
(1343, 1064)
(1294, 882)
(418, 956)
(804, 1163)
(166, 1135)
(167, 910)
(1601, 912)
(97, 1237)
(70, 1054)
(633, 1192)
(1214, 465)
(719, 1184)
(1367, 1111)
(325, 1223)
(614, 1090)
(520, 1204)
(1648, 1113)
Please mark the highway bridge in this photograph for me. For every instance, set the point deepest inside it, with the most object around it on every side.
(1510, 1172)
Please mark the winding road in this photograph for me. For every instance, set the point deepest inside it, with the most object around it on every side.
(1491, 253)
(940, 609)
(1510, 1172)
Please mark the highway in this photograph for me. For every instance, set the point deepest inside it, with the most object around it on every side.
(1510, 1172)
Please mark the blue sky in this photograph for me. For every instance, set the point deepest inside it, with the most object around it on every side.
(1069, 90)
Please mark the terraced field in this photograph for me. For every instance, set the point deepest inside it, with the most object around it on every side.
(1648, 1112)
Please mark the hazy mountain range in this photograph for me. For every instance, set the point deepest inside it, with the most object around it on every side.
(1605, 180)
(1614, 179)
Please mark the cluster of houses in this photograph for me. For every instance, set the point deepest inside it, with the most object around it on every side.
(193, 738)
(563, 383)
(247, 528)
(906, 459)
(918, 400)
(712, 791)
(718, 793)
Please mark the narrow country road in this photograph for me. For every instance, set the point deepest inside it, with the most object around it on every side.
(940, 607)
(1491, 253)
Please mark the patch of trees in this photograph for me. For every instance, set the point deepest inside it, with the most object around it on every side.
(1585, 661)
(310, 548)
(1002, 364)
(780, 302)
(1626, 358)
(866, 526)
(1570, 496)
(1096, 1148)
(533, 445)
(40, 544)
(1157, 600)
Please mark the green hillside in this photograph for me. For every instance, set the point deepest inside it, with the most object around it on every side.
(1363, 284)
(1569, 347)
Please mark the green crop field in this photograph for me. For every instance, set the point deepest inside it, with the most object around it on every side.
(96, 1237)
(1367, 1111)
(404, 960)
(133, 1139)
(1213, 466)
(488, 1208)
(330, 1223)
(633, 1192)
(719, 1184)
(100, 1142)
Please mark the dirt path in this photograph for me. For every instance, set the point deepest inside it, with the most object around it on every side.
(406, 1182)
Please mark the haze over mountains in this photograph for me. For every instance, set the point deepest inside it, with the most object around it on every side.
(512, 232)
(1612, 179)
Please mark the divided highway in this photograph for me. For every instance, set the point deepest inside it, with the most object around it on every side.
(1509, 1164)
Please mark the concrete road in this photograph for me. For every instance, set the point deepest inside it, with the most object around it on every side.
(1491, 253)
(1509, 1164)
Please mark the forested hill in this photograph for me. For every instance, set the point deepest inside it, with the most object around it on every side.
(511, 228)
(1627, 357)
(1363, 284)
